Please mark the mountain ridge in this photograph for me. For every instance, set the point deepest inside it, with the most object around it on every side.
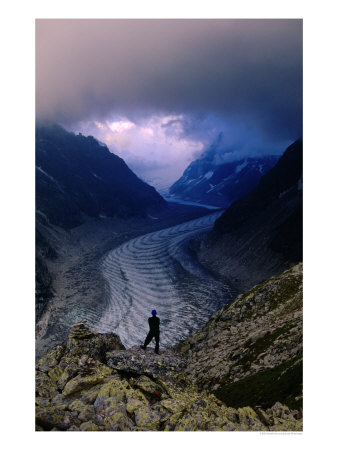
(218, 180)
(259, 235)
(77, 175)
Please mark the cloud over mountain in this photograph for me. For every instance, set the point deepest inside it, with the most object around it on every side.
(239, 69)
(159, 92)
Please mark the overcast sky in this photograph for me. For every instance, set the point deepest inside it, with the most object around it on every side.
(159, 92)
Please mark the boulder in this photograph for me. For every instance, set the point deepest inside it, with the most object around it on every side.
(51, 358)
(44, 386)
(82, 382)
(174, 406)
(147, 418)
(119, 421)
(49, 417)
(55, 373)
(82, 341)
(192, 422)
(135, 400)
(89, 426)
(148, 386)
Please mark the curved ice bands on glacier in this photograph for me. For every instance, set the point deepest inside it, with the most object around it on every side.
(157, 271)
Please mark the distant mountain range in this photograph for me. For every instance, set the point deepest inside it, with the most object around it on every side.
(77, 176)
(208, 181)
(260, 234)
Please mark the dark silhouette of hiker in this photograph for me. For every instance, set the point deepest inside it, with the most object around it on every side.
(154, 332)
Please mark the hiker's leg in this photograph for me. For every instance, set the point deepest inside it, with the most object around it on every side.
(157, 340)
(148, 338)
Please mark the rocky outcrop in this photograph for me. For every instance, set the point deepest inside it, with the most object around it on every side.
(92, 383)
(146, 363)
(250, 351)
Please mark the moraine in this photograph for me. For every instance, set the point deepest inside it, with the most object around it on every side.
(158, 270)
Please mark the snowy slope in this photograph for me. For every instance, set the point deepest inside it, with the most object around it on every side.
(220, 185)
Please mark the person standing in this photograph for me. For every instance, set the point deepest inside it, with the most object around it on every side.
(154, 331)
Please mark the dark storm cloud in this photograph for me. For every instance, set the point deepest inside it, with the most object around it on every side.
(246, 71)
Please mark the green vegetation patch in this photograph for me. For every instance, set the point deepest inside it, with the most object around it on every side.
(282, 384)
(287, 290)
(262, 344)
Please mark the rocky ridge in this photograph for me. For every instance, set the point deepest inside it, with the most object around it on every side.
(251, 349)
(92, 383)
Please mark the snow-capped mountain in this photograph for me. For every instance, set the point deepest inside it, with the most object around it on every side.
(204, 181)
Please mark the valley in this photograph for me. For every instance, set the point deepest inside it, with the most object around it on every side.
(168, 183)
(84, 287)
(225, 283)
(159, 270)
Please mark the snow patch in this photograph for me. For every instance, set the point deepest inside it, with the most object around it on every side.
(50, 177)
(241, 167)
(225, 180)
(198, 180)
(209, 174)
(43, 215)
(212, 186)
(96, 176)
